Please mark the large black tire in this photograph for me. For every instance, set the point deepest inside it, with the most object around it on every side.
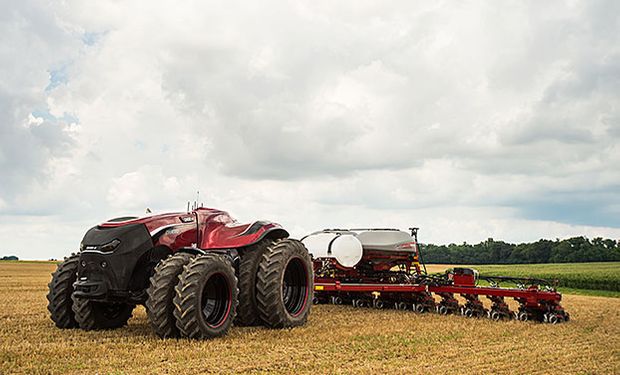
(206, 297)
(60, 291)
(92, 315)
(247, 311)
(159, 304)
(285, 284)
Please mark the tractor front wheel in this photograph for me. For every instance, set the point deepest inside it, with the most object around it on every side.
(60, 291)
(206, 297)
(94, 315)
(284, 287)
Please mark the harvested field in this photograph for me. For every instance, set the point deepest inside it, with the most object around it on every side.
(337, 339)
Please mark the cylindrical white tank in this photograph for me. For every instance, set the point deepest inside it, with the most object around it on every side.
(345, 248)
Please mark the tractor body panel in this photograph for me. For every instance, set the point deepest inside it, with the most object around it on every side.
(108, 260)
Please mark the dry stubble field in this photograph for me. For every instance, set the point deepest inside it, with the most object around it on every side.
(336, 339)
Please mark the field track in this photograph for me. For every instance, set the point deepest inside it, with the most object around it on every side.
(337, 339)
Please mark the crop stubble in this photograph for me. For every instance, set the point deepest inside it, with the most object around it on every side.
(337, 339)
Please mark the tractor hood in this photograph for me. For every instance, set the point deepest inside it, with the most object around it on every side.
(203, 228)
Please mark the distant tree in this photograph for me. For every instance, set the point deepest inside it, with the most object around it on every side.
(9, 257)
(541, 250)
(576, 249)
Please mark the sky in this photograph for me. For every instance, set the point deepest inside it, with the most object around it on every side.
(468, 119)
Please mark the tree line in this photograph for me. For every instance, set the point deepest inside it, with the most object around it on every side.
(571, 250)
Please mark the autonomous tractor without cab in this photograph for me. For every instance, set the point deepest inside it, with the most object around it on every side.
(196, 272)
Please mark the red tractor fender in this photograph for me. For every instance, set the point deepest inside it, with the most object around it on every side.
(235, 235)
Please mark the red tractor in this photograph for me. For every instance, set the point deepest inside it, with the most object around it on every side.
(196, 272)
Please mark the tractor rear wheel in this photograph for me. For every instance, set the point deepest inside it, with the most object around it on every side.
(159, 304)
(92, 315)
(60, 291)
(284, 287)
(247, 311)
(206, 297)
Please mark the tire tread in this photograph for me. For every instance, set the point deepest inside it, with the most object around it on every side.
(161, 292)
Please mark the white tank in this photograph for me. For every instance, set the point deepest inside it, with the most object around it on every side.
(345, 248)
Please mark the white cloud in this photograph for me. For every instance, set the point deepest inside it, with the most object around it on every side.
(134, 191)
(472, 120)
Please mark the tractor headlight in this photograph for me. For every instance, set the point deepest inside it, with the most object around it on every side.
(110, 245)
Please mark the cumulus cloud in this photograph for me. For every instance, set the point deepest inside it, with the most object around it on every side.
(30, 137)
(136, 190)
(472, 120)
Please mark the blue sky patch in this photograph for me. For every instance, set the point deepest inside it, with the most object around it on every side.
(57, 77)
(47, 116)
(91, 38)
